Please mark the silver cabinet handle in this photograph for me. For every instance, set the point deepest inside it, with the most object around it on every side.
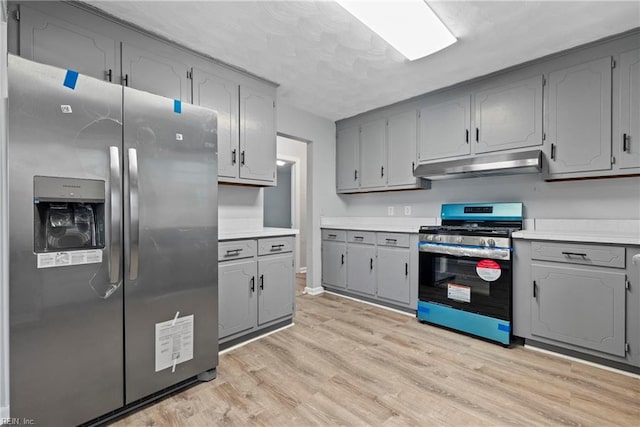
(234, 251)
(115, 247)
(134, 212)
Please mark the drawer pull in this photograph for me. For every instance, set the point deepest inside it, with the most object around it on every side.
(234, 251)
(332, 236)
(358, 237)
(277, 247)
(570, 254)
(392, 240)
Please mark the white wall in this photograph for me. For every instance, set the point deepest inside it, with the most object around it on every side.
(322, 199)
(615, 198)
(292, 150)
(4, 228)
(239, 207)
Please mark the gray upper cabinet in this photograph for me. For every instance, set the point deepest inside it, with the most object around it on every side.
(444, 129)
(53, 41)
(237, 295)
(579, 118)
(401, 148)
(347, 156)
(579, 306)
(629, 136)
(221, 94)
(157, 74)
(276, 287)
(509, 116)
(257, 134)
(372, 154)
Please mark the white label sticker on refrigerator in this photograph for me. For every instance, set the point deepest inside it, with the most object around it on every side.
(66, 109)
(178, 137)
(63, 259)
(174, 342)
(459, 292)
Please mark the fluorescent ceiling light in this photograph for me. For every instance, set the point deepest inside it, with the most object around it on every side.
(280, 162)
(410, 26)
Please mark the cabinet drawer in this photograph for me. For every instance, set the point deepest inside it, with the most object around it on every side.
(605, 256)
(393, 239)
(236, 249)
(366, 237)
(275, 245)
(336, 235)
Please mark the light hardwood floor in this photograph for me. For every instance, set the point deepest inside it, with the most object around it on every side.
(348, 363)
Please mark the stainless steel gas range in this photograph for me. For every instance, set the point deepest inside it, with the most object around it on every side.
(465, 269)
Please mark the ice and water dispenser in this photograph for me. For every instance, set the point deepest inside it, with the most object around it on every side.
(69, 214)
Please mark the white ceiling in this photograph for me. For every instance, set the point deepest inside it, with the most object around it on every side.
(332, 65)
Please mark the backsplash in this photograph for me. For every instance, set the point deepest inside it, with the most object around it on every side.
(240, 208)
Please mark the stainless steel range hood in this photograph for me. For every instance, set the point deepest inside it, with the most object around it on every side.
(482, 165)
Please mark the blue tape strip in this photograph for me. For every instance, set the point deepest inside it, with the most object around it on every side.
(504, 327)
(177, 106)
(71, 79)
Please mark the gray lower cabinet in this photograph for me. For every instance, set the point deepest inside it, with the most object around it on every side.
(334, 264)
(376, 266)
(578, 297)
(629, 135)
(394, 282)
(578, 125)
(580, 306)
(276, 287)
(237, 295)
(256, 286)
(53, 41)
(361, 269)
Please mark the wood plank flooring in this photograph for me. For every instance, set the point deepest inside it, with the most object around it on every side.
(348, 363)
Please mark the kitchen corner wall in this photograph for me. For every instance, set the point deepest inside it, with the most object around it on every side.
(4, 227)
(239, 207)
(614, 198)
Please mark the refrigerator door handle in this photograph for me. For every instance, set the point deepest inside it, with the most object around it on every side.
(115, 184)
(134, 220)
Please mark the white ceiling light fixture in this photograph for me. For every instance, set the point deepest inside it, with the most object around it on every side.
(280, 162)
(410, 26)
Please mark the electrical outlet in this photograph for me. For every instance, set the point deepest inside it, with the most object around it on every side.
(390, 211)
(407, 210)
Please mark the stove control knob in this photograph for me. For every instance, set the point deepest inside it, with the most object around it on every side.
(481, 242)
(491, 242)
(459, 239)
(438, 238)
(429, 237)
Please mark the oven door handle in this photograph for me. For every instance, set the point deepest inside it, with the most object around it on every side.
(464, 251)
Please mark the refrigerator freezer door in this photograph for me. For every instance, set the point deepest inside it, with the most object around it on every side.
(65, 321)
(171, 268)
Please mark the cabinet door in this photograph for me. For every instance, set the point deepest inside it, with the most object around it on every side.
(393, 274)
(55, 42)
(444, 129)
(221, 95)
(579, 306)
(276, 293)
(361, 269)
(630, 109)
(257, 134)
(579, 123)
(334, 264)
(347, 158)
(372, 154)
(509, 116)
(157, 74)
(401, 148)
(237, 302)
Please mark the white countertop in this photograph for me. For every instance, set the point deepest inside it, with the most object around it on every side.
(256, 233)
(388, 224)
(620, 232)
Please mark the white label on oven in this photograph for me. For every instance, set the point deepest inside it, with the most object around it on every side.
(488, 270)
(459, 292)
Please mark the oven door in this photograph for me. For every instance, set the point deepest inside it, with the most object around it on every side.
(469, 279)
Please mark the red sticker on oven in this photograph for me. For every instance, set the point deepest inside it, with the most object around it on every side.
(488, 270)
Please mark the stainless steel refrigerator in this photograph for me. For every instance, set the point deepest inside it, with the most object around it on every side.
(113, 244)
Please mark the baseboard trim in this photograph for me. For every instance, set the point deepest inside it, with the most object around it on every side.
(4, 412)
(302, 270)
(395, 310)
(259, 337)
(586, 362)
(314, 291)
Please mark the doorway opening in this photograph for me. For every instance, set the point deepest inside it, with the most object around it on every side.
(285, 205)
